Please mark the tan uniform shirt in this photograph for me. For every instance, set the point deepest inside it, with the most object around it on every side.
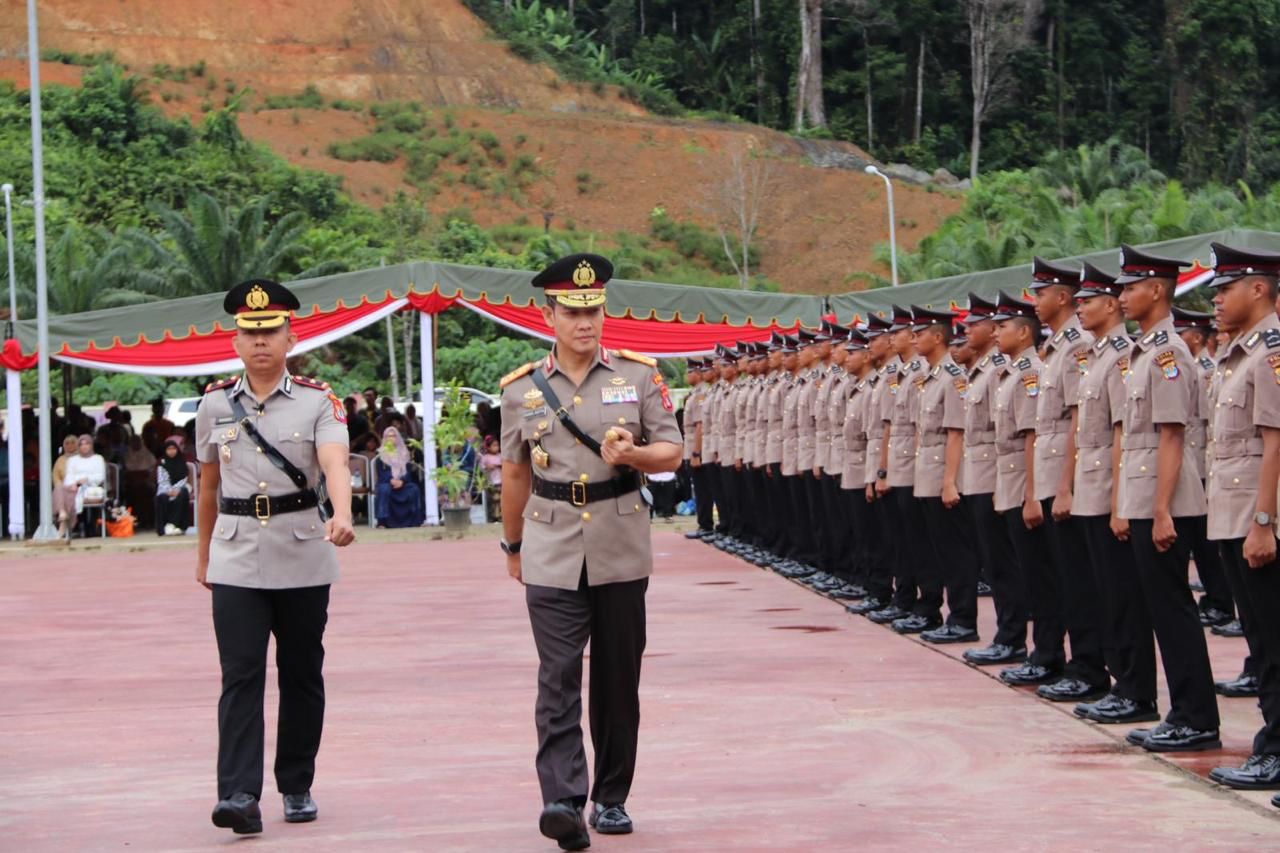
(837, 398)
(1160, 388)
(759, 420)
(1249, 398)
(710, 419)
(1066, 355)
(1101, 407)
(1198, 426)
(806, 426)
(978, 473)
(822, 417)
(692, 414)
(880, 410)
(854, 475)
(286, 550)
(940, 408)
(612, 535)
(902, 425)
(791, 426)
(727, 435)
(1015, 416)
(776, 394)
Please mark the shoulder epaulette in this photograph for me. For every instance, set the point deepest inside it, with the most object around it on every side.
(308, 382)
(1071, 333)
(1023, 363)
(635, 356)
(1155, 339)
(1272, 338)
(953, 368)
(998, 359)
(1119, 343)
(220, 384)
(522, 370)
(891, 368)
(915, 365)
(1206, 362)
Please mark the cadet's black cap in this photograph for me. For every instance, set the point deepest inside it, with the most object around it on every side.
(1230, 264)
(923, 318)
(1184, 319)
(857, 340)
(725, 354)
(260, 303)
(901, 319)
(1008, 307)
(777, 341)
(805, 337)
(1138, 266)
(877, 326)
(1045, 274)
(959, 334)
(979, 309)
(1095, 282)
(759, 350)
(576, 280)
(790, 344)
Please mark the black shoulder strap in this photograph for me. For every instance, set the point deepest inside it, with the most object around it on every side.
(552, 400)
(277, 458)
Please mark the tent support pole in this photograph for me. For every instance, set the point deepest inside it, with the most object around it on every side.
(427, 347)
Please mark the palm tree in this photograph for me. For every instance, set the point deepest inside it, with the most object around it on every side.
(217, 248)
(88, 269)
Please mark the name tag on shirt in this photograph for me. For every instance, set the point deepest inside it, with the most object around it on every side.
(619, 394)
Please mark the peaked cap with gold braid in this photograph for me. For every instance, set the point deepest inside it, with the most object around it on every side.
(260, 303)
(576, 281)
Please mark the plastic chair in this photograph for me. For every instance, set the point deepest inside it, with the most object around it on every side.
(361, 487)
(88, 507)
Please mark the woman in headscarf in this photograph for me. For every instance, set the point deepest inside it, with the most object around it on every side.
(64, 496)
(139, 480)
(173, 492)
(397, 499)
(87, 472)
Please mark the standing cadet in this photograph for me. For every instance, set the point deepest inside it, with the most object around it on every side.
(863, 535)
(939, 454)
(794, 360)
(883, 559)
(778, 500)
(1216, 605)
(266, 551)
(709, 440)
(578, 429)
(814, 347)
(1243, 481)
(1015, 439)
(978, 485)
(726, 451)
(1075, 595)
(1160, 496)
(693, 409)
(1126, 626)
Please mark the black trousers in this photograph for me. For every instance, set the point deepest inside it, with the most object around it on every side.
(726, 500)
(1260, 598)
(907, 528)
(818, 524)
(802, 540)
(776, 508)
(754, 518)
(1176, 621)
(664, 497)
(1127, 640)
(1246, 615)
(1076, 591)
(243, 620)
(612, 617)
(704, 493)
(875, 532)
(839, 551)
(958, 562)
(1209, 568)
(1036, 573)
(991, 533)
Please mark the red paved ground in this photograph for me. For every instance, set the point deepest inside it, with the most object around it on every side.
(773, 721)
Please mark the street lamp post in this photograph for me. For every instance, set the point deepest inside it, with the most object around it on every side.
(7, 189)
(893, 242)
(13, 390)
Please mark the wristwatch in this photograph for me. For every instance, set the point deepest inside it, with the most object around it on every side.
(510, 547)
(1263, 519)
(881, 474)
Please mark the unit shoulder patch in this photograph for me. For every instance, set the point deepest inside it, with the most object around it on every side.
(522, 370)
(635, 356)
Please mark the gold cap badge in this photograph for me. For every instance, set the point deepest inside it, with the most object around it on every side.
(584, 275)
(257, 298)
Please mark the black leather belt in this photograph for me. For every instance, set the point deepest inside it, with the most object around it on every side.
(581, 494)
(264, 506)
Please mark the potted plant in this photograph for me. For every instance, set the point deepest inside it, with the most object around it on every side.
(453, 481)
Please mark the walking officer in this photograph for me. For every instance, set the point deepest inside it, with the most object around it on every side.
(578, 429)
(265, 441)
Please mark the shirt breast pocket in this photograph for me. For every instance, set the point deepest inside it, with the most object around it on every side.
(534, 428)
(297, 445)
(625, 415)
(1238, 412)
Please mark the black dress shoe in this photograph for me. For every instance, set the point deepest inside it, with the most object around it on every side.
(1259, 772)
(915, 624)
(299, 808)
(950, 634)
(1029, 673)
(1138, 737)
(849, 592)
(1070, 690)
(885, 615)
(996, 653)
(1169, 738)
(696, 534)
(562, 821)
(1122, 710)
(867, 605)
(610, 820)
(1210, 616)
(1082, 710)
(1244, 684)
(239, 813)
(984, 589)
(1231, 629)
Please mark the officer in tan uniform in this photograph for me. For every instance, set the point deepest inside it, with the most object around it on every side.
(576, 533)
(1014, 416)
(799, 557)
(881, 547)
(779, 502)
(1216, 605)
(1159, 491)
(853, 482)
(694, 409)
(709, 440)
(832, 527)
(1075, 595)
(939, 454)
(1127, 641)
(264, 439)
(1243, 481)
(812, 344)
(978, 486)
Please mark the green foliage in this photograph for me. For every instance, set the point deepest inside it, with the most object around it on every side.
(480, 364)
(66, 57)
(308, 99)
(451, 433)
(379, 148)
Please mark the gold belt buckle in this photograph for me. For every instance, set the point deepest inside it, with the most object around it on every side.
(261, 507)
(578, 493)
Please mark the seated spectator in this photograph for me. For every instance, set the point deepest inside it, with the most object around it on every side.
(367, 445)
(412, 423)
(397, 495)
(385, 415)
(663, 488)
(173, 492)
(64, 498)
(357, 423)
(139, 479)
(157, 430)
(86, 473)
(491, 462)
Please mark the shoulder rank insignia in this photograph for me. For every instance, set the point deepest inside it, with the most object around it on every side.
(891, 368)
(522, 370)
(1206, 362)
(1023, 363)
(308, 382)
(1272, 338)
(1071, 333)
(635, 356)
(1082, 360)
(915, 365)
(998, 359)
(1273, 361)
(1168, 364)
(220, 384)
(953, 368)
(1031, 382)
(1119, 343)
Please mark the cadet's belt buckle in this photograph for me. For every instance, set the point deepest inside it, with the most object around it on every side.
(261, 507)
(578, 493)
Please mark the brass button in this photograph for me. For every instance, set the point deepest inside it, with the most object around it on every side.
(263, 522)
(537, 434)
(1097, 462)
(1228, 371)
(262, 485)
(259, 449)
(542, 424)
(313, 527)
(637, 507)
(586, 516)
(535, 513)
(583, 477)
(1235, 481)
(297, 435)
(1142, 467)
(622, 420)
(577, 401)
(222, 530)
